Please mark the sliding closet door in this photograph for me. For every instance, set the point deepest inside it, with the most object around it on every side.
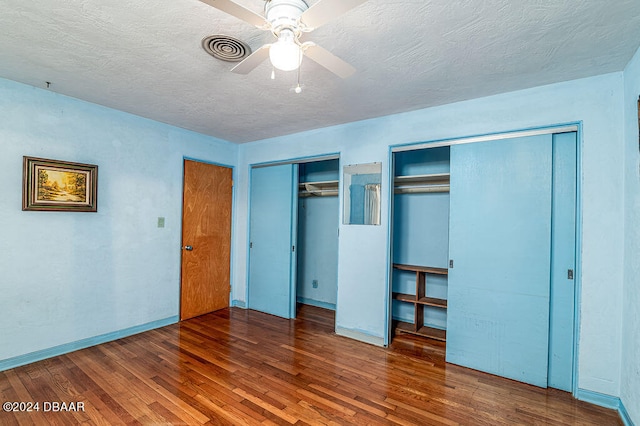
(272, 239)
(563, 243)
(500, 244)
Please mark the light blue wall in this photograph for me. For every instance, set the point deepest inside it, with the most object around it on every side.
(68, 276)
(65, 276)
(318, 238)
(318, 250)
(421, 220)
(319, 171)
(362, 299)
(630, 393)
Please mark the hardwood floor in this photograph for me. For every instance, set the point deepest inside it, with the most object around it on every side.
(237, 366)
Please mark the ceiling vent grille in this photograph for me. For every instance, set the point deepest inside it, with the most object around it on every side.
(226, 48)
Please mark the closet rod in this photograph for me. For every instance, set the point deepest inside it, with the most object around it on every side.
(303, 194)
(320, 189)
(421, 189)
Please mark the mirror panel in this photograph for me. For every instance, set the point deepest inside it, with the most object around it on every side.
(361, 198)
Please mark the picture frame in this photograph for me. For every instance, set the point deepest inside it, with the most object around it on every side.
(54, 185)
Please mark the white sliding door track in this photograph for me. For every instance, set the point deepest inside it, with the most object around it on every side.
(486, 138)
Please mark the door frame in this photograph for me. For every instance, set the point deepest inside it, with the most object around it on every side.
(233, 225)
(296, 160)
(550, 129)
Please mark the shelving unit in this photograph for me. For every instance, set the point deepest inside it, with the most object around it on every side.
(419, 299)
(319, 189)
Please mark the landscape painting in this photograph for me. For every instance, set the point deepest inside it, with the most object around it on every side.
(59, 185)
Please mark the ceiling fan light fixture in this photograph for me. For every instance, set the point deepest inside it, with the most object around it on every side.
(285, 54)
(287, 20)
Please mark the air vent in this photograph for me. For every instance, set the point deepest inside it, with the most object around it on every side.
(226, 48)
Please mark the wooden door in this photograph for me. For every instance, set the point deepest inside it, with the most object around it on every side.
(273, 235)
(206, 238)
(500, 245)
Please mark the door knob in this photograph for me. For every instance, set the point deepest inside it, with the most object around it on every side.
(188, 248)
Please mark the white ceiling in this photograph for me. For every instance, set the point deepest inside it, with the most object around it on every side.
(145, 57)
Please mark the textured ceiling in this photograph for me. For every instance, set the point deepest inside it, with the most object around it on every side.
(145, 57)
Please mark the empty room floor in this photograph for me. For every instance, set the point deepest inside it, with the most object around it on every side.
(239, 367)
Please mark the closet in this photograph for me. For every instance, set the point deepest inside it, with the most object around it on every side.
(484, 252)
(293, 239)
(317, 258)
(421, 242)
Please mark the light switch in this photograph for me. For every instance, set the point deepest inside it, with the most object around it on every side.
(161, 222)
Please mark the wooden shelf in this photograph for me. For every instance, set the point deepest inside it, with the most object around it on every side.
(419, 300)
(425, 269)
(428, 301)
(432, 301)
(411, 298)
(424, 331)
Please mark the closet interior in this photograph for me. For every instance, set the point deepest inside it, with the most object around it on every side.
(318, 216)
(420, 242)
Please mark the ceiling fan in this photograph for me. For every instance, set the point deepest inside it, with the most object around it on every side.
(288, 20)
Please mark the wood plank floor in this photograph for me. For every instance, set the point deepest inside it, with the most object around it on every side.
(242, 367)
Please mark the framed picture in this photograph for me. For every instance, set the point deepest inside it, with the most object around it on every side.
(54, 185)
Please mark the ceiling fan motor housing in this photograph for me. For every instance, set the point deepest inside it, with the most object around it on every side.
(285, 14)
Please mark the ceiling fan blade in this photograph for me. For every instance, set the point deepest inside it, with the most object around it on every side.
(252, 61)
(325, 10)
(239, 11)
(328, 60)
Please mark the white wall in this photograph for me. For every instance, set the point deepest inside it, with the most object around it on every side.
(630, 392)
(362, 269)
(70, 276)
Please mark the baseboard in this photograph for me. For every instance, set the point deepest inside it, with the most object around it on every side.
(606, 401)
(238, 304)
(624, 415)
(358, 335)
(598, 398)
(317, 303)
(83, 343)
